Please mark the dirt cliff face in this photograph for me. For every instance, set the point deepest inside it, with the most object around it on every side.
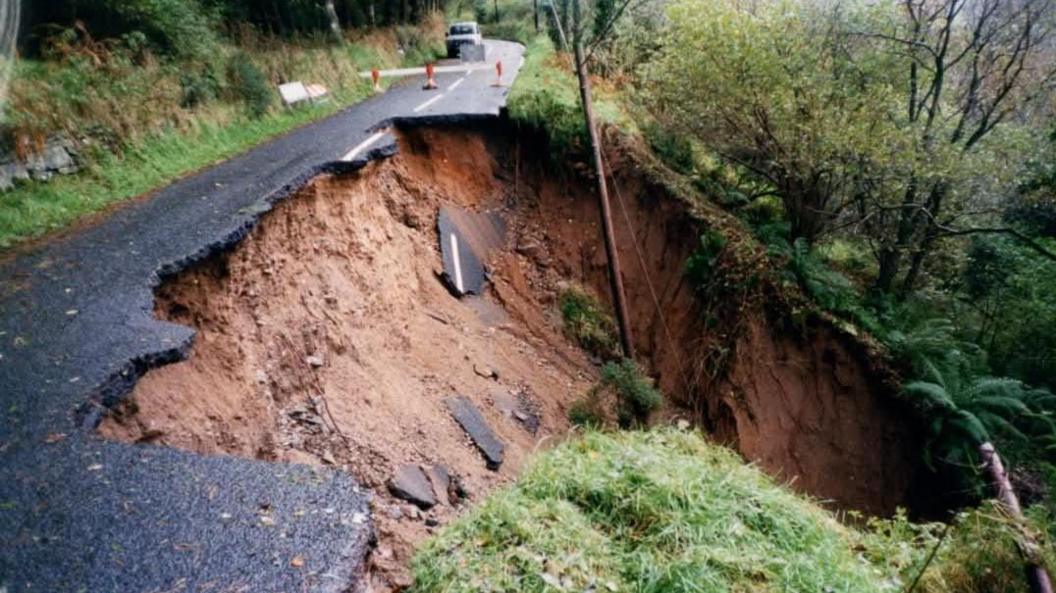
(811, 412)
(803, 399)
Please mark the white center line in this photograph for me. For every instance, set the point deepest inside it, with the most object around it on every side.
(428, 103)
(455, 84)
(361, 146)
(457, 262)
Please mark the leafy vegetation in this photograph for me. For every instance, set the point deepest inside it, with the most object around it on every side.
(665, 511)
(624, 391)
(587, 322)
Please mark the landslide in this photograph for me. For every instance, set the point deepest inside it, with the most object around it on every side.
(326, 336)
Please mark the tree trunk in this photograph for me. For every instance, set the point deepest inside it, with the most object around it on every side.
(1037, 576)
(891, 255)
(335, 24)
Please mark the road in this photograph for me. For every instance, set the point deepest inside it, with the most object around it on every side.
(78, 513)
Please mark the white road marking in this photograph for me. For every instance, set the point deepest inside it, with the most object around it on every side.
(361, 146)
(458, 263)
(429, 102)
(455, 84)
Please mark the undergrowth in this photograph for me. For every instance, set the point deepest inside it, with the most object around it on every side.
(624, 391)
(587, 322)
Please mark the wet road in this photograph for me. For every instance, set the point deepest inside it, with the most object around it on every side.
(78, 513)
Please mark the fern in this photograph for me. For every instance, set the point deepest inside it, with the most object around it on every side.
(967, 411)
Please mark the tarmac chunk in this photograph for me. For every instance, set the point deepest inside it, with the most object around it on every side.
(409, 483)
(467, 415)
(441, 481)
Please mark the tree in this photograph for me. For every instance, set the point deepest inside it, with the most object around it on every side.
(772, 89)
(971, 66)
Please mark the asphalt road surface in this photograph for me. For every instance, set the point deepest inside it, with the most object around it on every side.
(78, 513)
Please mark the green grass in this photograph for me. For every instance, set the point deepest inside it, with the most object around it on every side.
(588, 323)
(34, 209)
(546, 96)
(654, 511)
(666, 512)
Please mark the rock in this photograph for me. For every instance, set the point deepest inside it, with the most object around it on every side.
(314, 360)
(486, 372)
(410, 484)
(467, 415)
(441, 481)
(431, 522)
(530, 248)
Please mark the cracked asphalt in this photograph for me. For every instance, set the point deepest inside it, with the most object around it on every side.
(82, 514)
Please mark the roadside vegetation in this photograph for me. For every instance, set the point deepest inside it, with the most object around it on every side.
(151, 91)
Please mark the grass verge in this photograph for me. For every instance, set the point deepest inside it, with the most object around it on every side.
(644, 511)
(664, 511)
(37, 208)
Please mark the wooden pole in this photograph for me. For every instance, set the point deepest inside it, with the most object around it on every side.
(1037, 576)
(535, 13)
(560, 27)
(615, 275)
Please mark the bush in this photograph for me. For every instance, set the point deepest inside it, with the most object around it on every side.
(518, 31)
(624, 397)
(674, 150)
(586, 322)
(250, 85)
(701, 264)
(636, 394)
(179, 28)
(198, 87)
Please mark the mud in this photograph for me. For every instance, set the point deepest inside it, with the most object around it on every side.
(327, 337)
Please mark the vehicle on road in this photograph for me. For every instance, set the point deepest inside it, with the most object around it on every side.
(462, 34)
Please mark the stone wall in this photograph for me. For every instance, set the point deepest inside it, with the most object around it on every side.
(59, 157)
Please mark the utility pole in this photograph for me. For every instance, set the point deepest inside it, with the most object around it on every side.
(557, 23)
(615, 276)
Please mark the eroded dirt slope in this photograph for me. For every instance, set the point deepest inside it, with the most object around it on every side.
(327, 338)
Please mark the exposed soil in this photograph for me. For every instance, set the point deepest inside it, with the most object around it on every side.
(326, 337)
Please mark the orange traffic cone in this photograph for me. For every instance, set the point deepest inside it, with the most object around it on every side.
(498, 72)
(430, 83)
(375, 75)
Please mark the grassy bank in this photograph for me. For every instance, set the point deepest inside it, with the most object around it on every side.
(664, 511)
(143, 122)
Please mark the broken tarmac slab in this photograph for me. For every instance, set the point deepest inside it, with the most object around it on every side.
(466, 238)
(441, 480)
(471, 420)
(410, 483)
